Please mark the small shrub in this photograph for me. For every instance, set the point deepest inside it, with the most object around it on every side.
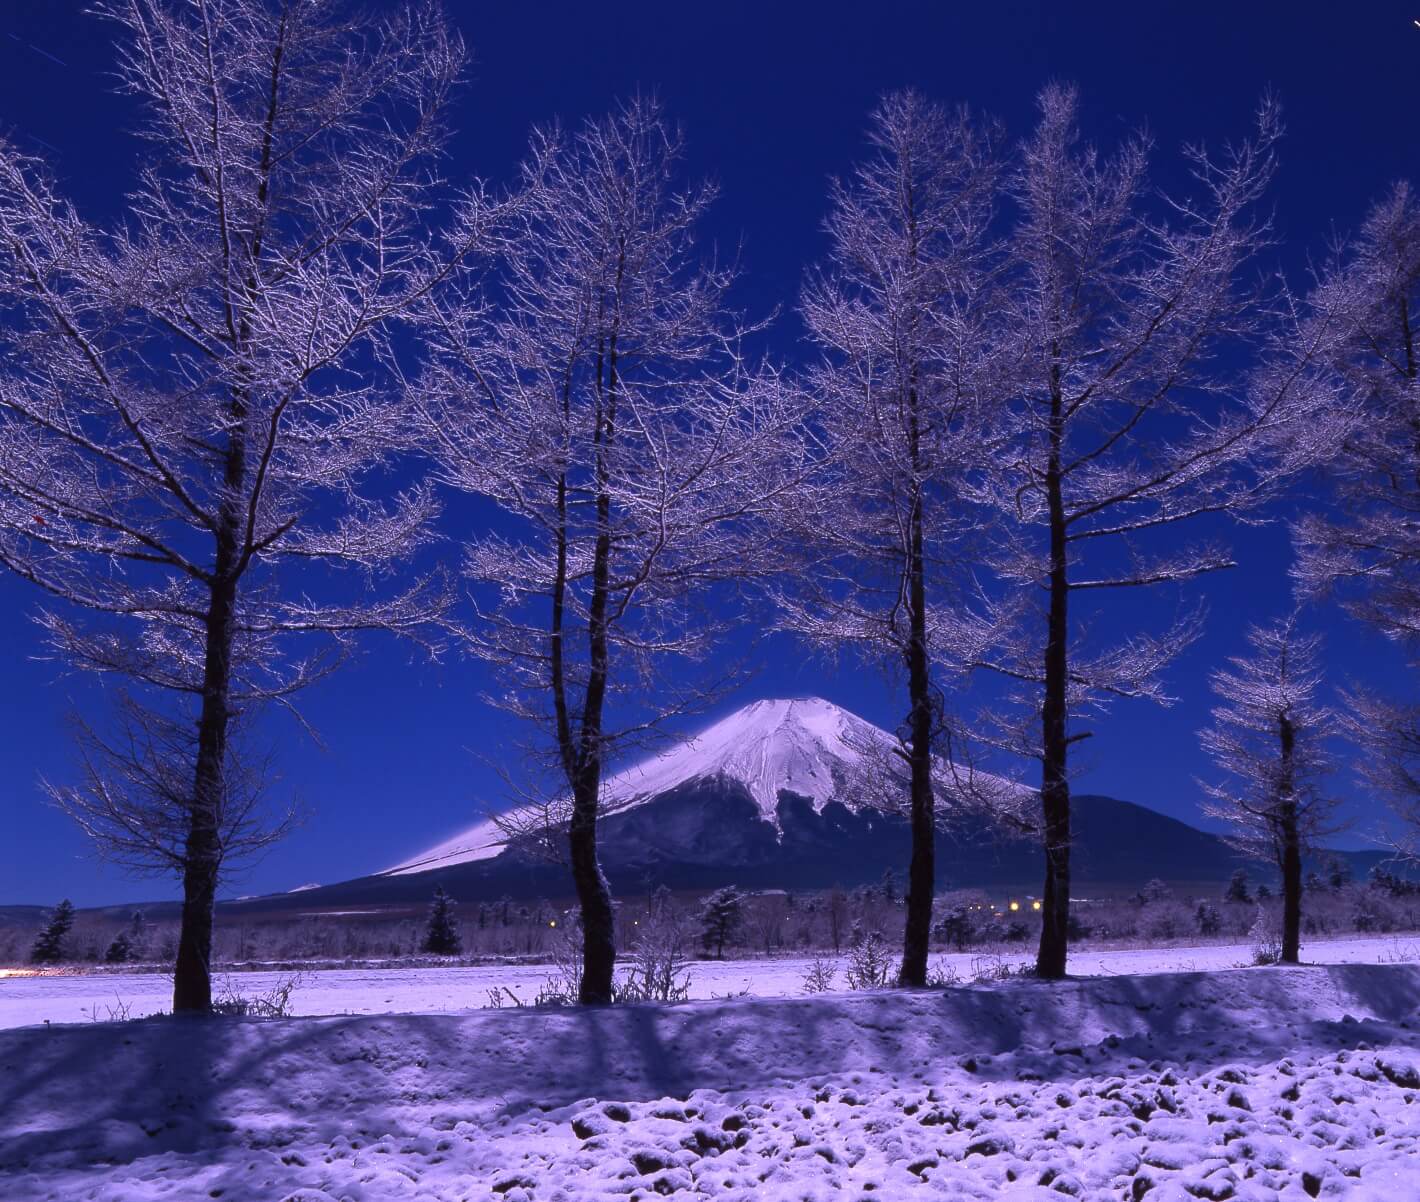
(658, 971)
(819, 978)
(564, 986)
(869, 962)
(119, 1012)
(941, 975)
(989, 968)
(1266, 939)
(274, 1003)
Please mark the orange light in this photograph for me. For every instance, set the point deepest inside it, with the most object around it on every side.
(553, 923)
(1015, 906)
(1035, 905)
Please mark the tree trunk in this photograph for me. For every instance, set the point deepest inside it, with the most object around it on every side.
(1055, 784)
(1291, 898)
(593, 892)
(202, 859)
(594, 897)
(921, 872)
(1291, 850)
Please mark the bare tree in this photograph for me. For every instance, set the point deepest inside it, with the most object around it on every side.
(1268, 740)
(1366, 301)
(134, 798)
(1129, 319)
(1365, 549)
(900, 312)
(605, 410)
(1388, 733)
(195, 403)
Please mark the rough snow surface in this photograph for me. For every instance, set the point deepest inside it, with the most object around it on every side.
(768, 746)
(30, 1000)
(1260, 1084)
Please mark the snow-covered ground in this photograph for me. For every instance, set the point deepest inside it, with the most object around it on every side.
(77, 998)
(1255, 1084)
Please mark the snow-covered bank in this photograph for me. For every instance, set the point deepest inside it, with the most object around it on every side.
(403, 990)
(1253, 1084)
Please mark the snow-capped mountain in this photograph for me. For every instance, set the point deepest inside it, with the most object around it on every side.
(806, 747)
(789, 794)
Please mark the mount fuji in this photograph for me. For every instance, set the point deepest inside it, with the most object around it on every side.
(786, 793)
(805, 748)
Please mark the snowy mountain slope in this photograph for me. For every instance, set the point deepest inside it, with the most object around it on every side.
(807, 747)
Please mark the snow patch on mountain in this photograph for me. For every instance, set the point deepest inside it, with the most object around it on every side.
(800, 745)
(797, 745)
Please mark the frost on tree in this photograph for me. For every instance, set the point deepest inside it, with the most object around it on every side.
(876, 539)
(605, 408)
(195, 402)
(1269, 742)
(1128, 322)
(1365, 549)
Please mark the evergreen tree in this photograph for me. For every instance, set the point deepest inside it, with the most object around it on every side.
(1237, 888)
(1209, 920)
(138, 935)
(889, 887)
(49, 946)
(720, 916)
(120, 951)
(441, 935)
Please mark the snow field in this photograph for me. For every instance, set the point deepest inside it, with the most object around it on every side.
(1255, 1084)
(78, 998)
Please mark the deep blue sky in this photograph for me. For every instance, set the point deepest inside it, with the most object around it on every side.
(773, 97)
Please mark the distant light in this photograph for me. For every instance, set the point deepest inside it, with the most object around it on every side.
(1035, 905)
(1015, 906)
(553, 923)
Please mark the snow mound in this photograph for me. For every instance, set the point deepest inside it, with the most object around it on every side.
(797, 745)
(1256, 1085)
